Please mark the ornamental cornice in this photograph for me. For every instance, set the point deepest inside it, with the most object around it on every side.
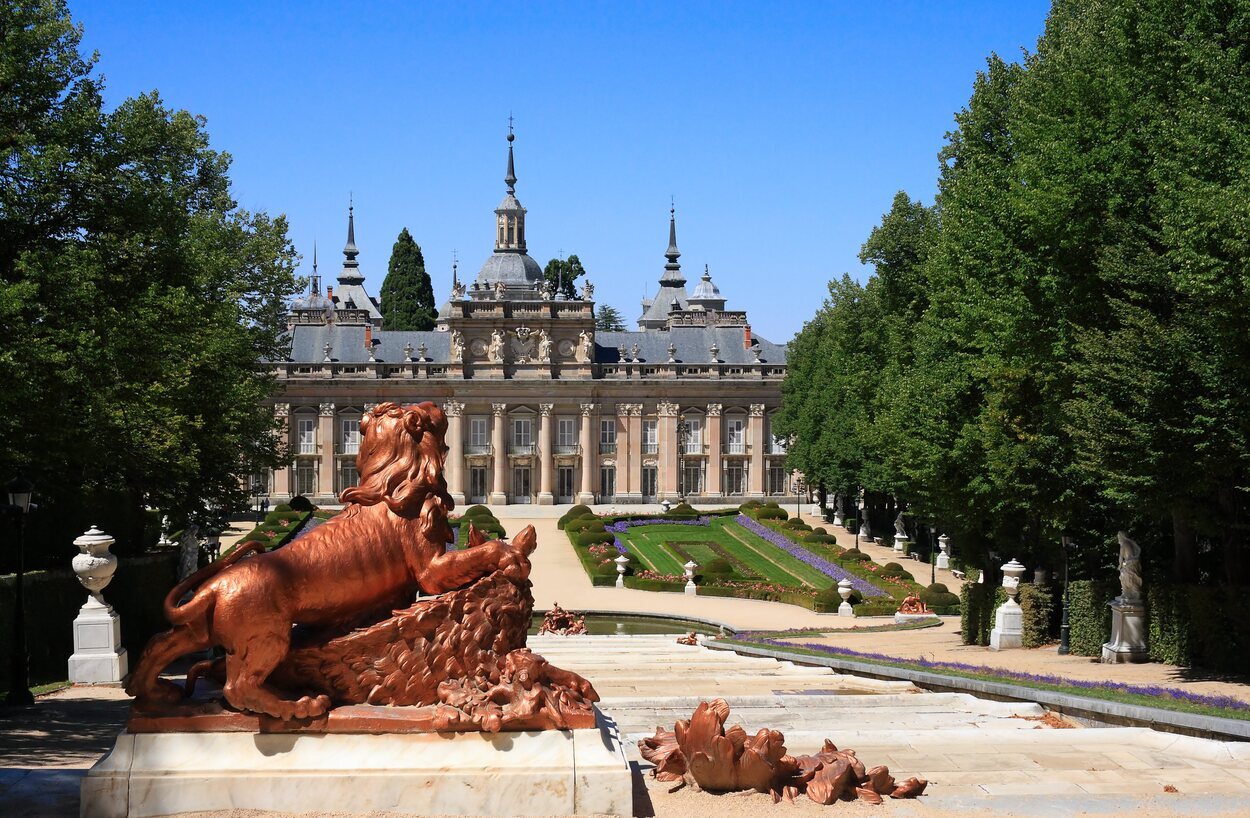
(625, 410)
(757, 410)
(327, 410)
(666, 409)
(453, 408)
(498, 409)
(544, 409)
(281, 410)
(588, 409)
(713, 410)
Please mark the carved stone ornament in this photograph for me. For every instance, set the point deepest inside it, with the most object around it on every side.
(588, 291)
(408, 352)
(495, 350)
(327, 349)
(499, 409)
(757, 410)
(457, 346)
(499, 291)
(457, 291)
(633, 353)
(713, 410)
(94, 565)
(623, 410)
(620, 354)
(702, 753)
(585, 345)
(666, 409)
(372, 350)
(421, 350)
(672, 353)
(714, 350)
(523, 332)
(544, 347)
(544, 409)
(1130, 568)
(327, 410)
(453, 408)
(281, 410)
(755, 350)
(587, 409)
(316, 643)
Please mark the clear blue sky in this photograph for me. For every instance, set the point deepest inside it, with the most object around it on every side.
(782, 129)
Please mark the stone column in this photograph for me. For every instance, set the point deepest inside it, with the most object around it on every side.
(499, 492)
(455, 450)
(624, 462)
(590, 455)
(666, 438)
(634, 479)
(282, 475)
(325, 440)
(756, 436)
(713, 448)
(546, 464)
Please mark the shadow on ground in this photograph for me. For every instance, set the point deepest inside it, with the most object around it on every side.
(60, 732)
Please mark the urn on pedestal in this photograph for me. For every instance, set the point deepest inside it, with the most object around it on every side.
(844, 591)
(1009, 619)
(98, 654)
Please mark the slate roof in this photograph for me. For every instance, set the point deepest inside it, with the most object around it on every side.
(348, 344)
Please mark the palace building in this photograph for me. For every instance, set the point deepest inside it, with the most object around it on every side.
(541, 408)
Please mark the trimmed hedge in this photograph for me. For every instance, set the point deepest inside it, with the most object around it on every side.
(976, 613)
(282, 507)
(1036, 603)
(580, 524)
(1199, 626)
(572, 514)
(856, 554)
(895, 571)
(938, 595)
(719, 567)
(301, 503)
(1089, 617)
(979, 601)
(477, 511)
(591, 537)
(767, 513)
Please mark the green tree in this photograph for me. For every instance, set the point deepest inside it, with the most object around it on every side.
(560, 275)
(136, 298)
(407, 292)
(609, 319)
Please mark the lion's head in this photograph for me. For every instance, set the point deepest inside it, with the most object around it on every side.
(401, 464)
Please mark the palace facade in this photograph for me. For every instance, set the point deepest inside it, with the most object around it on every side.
(541, 407)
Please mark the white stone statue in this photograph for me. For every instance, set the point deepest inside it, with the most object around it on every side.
(1130, 568)
(900, 530)
(457, 291)
(499, 291)
(544, 347)
(457, 346)
(584, 346)
(588, 291)
(495, 351)
(634, 353)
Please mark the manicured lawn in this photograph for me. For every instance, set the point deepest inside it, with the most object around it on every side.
(650, 544)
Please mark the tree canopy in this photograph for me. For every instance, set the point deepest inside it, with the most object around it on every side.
(136, 298)
(407, 292)
(560, 275)
(609, 319)
(1061, 343)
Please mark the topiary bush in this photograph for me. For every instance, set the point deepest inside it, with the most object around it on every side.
(586, 538)
(976, 613)
(750, 506)
(938, 596)
(823, 539)
(1089, 617)
(1036, 602)
(477, 511)
(895, 571)
(856, 554)
(572, 514)
(771, 513)
(282, 507)
(584, 524)
(819, 530)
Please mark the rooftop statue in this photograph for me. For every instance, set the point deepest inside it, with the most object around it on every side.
(329, 620)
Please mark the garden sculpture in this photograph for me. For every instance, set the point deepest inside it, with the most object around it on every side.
(912, 605)
(562, 622)
(1130, 568)
(691, 639)
(702, 753)
(329, 620)
(900, 530)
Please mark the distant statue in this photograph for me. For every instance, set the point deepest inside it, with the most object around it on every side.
(457, 346)
(495, 351)
(544, 347)
(588, 291)
(499, 291)
(634, 352)
(1130, 568)
(584, 346)
(900, 530)
(457, 290)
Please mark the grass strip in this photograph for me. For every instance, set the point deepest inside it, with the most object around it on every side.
(1163, 698)
(758, 558)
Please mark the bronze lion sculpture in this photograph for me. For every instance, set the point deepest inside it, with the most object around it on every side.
(351, 573)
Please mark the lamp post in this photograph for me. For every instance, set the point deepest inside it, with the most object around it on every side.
(799, 485)
(1065, 629)
(19, 490)
(683, 431)
(256, 499)
(933, 547)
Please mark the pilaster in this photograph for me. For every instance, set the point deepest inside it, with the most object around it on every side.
(325, 446)
(666, 437)
(546, 465)
(755, 433)
(455, 450)
(713, 449)
(590, 454)
(499, 491)
(282, 475)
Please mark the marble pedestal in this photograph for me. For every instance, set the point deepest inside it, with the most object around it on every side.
(98, 653)
(845, 609)
(546, 498)
(551, 772)
(900, 543)
(1008, 627)
(1128, 633)
(943, 561)
(901, 618)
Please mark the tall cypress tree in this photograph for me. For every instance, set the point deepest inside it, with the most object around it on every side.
(407, 292)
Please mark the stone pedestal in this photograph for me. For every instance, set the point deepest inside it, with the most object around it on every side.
(845, 609)
(546, 498)
(901, 541)
(98, 653)
(944, 558)
(552, 772)
(901, 618)
(1008, 627)
(1128, 632)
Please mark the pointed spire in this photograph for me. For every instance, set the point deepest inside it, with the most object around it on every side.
(672, 270)
(314, 284)
(455, 263)
(350, 274)
(510, 179)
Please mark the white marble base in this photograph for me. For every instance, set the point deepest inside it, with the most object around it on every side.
(900, 544)
(845, 609)
(1128, 633)
(903, 618)
(546, 498)
(943, 562)
(497, 499)
(98, 653)
(1008, 627)
(692, 589)
(552, 772)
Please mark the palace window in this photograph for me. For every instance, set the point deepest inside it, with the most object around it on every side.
(522, 433)
(607, 482)
(566, 435)
(607, 436)
(351, 436)
(776, 479)
(307, 435)
(649, 482)
(735, 435)
(650, 439)
(735, 478)
(694, 435)
(305, 478)
(479, 435)
(347, 477)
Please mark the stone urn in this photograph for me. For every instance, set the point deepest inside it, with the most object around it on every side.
(944, 558)
(689, 567)
(845, 590)
(1008, 629)
(94, 565)
(621, 561)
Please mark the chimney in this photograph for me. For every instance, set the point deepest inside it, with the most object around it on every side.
(329, 293)
(368, 336)
(746, 336)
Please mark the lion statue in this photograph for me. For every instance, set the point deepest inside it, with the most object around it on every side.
(387, 544)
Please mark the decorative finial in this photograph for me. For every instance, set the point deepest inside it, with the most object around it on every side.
(672, 253)
(510, 178)
(314, 256)
(455, 263)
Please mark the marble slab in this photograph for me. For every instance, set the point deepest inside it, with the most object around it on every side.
(552, 772)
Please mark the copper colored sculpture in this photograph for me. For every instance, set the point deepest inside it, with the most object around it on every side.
(562, 622)
(912, 605)
(312, 624)
(703, 753)
(691, 639)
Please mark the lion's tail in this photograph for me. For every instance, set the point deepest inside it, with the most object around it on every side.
(173, 611)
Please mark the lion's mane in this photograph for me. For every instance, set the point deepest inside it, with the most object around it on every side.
(401, 464)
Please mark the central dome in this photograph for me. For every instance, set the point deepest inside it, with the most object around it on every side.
(513, 269)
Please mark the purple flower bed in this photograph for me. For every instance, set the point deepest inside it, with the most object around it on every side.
(792, 548)
(1218, 702)
(621, 526)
